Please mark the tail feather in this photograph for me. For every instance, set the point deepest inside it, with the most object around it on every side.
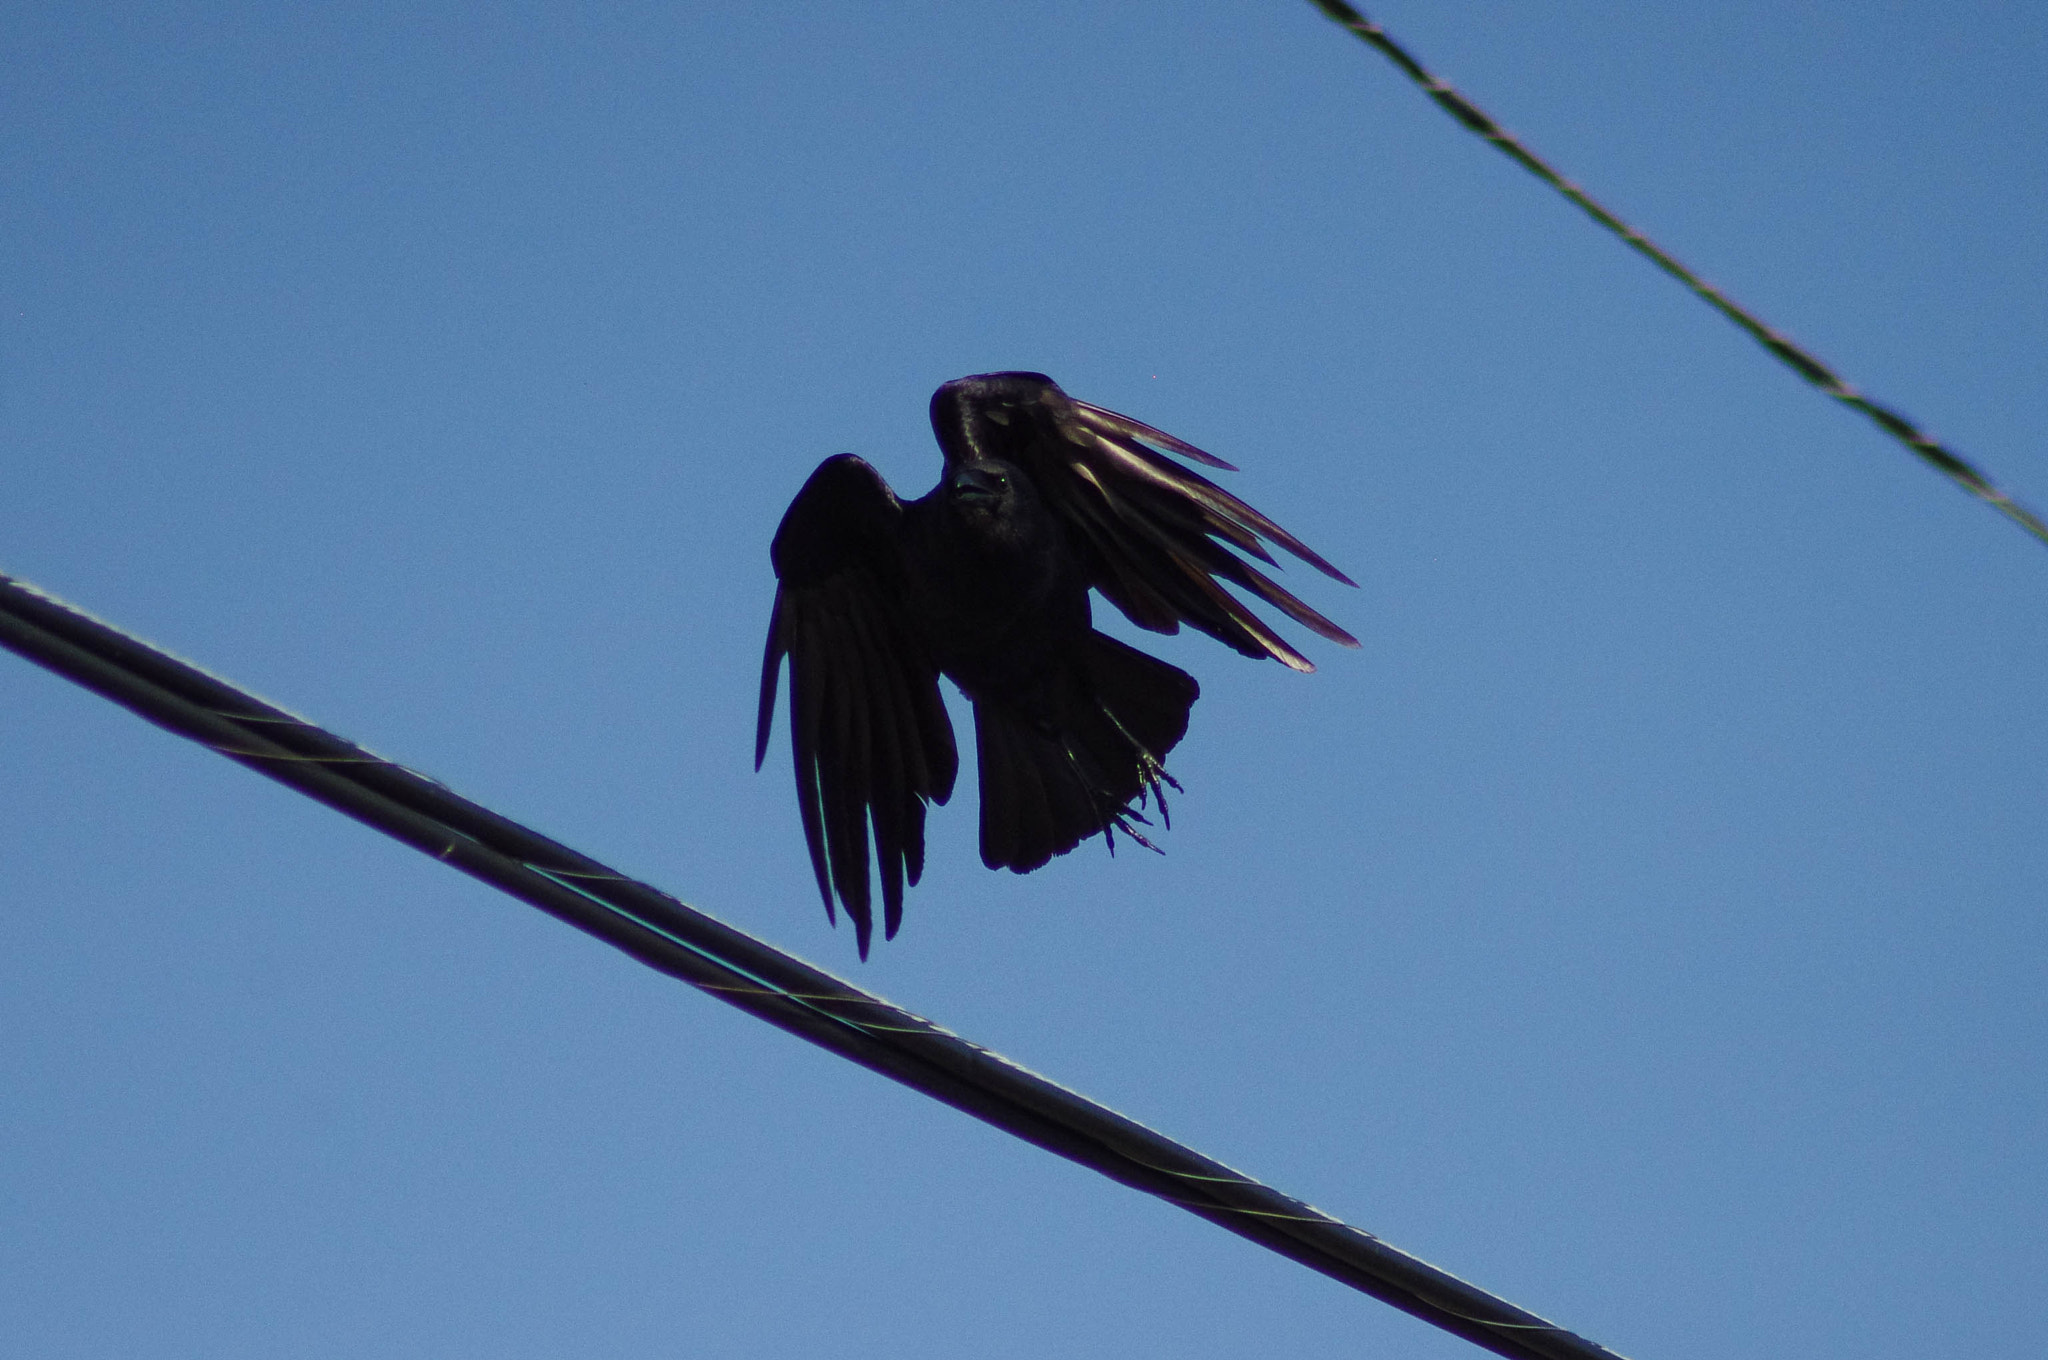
(1034, 826)
(992, 742)
(1148, 698)
(1049, 783)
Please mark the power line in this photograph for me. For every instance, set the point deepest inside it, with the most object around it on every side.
(675, 939)
(1800, 361)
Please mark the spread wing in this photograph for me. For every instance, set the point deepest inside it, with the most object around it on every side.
(1159, 536)
(868, 730)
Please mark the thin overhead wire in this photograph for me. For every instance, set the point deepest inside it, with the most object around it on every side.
(1800, 361)
(741, 971)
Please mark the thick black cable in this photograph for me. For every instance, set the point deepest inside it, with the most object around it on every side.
(675, 939)
(1951, 464)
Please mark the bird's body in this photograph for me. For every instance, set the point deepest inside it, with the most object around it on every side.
(986, 580)
(990, 577)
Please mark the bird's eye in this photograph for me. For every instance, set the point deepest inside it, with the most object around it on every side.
(1000, 417)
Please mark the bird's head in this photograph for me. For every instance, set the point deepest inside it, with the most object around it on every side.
(986, 489)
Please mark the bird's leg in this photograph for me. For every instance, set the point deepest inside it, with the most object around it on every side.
(1115, 820)
(1150, 771)
(1088, 791)
(1131, 831)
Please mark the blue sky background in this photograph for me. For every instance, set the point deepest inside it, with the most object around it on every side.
(1646, 924)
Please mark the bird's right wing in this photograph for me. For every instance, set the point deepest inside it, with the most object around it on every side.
(868, 730)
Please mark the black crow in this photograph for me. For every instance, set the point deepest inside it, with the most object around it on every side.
(985, 579)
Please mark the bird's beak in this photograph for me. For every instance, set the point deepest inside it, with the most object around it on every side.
(976, 487)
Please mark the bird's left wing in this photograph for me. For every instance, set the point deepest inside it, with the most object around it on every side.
(1158, 536)
(868, 730)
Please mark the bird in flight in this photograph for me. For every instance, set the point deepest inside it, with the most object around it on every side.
(985, 579)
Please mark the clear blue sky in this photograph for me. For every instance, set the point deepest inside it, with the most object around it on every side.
(1646, 924)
